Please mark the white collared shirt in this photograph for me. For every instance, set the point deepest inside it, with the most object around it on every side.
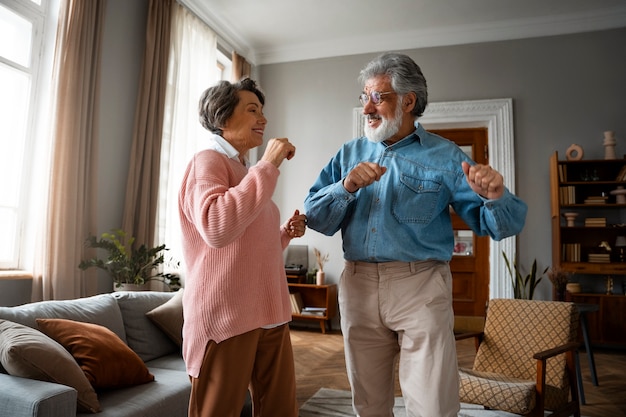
(221, 145)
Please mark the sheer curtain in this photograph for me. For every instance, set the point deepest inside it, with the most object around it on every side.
(192, 68)
(71, 208)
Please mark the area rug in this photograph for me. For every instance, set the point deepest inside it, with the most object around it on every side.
(336, 403)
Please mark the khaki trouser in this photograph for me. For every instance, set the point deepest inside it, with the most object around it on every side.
(400, 310)
(261, 360)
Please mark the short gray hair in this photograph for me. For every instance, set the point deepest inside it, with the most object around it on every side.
(217, 103)
(405, 75)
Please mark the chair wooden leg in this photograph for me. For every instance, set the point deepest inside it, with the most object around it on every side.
(579, 378)
(570, 357)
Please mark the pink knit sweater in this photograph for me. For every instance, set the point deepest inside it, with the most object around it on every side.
(232, 243)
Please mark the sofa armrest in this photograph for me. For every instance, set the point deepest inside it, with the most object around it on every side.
(23, 397)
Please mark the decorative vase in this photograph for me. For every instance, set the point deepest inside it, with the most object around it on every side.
(620, 195)
(573, 288)
(319, 277)
(609, 145)
(570, 217)
(574, 152)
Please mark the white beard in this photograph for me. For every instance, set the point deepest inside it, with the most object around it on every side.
(387, 128)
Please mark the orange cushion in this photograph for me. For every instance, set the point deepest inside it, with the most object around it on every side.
(104, 358)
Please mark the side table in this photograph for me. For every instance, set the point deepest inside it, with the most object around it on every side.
(583, 309)
(320, 296)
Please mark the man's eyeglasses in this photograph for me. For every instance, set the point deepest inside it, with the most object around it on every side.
(375, 96)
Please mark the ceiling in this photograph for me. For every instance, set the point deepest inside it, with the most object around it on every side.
(273, 31)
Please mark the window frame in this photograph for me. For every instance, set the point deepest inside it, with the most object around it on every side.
(44, 18)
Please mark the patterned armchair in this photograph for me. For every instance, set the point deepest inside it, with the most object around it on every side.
(525, 359)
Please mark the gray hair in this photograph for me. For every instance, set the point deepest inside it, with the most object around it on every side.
(405, 75)
(217, 103)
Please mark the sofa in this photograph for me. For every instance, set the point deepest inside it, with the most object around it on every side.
(114, 354)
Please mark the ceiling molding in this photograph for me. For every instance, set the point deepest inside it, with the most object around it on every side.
(457, 35)
(372, 42)
(228, 38)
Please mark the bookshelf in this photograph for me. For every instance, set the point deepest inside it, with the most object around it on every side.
(585, 214)
(588, 216)
(316, 303)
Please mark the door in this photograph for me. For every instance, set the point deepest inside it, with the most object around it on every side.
(470, 261)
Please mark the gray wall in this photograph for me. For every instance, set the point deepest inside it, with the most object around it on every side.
(123, 46)
(565, 89)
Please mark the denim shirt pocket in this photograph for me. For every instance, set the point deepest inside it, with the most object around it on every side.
(415, 200)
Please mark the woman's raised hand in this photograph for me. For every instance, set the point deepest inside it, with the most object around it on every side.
(277, 150)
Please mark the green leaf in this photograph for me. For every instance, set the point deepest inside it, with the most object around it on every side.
(127, 264)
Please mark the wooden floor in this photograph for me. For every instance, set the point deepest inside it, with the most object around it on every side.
(319, 362)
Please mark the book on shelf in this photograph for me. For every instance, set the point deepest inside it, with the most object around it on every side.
(599, 258)
(562, 173)
(595, 222)
(570, 252)
(567, 194)
(621, 176)
(596, 200)
(314, 311)
(296, 302)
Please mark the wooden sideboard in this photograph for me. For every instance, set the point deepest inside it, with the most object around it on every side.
(606, 326)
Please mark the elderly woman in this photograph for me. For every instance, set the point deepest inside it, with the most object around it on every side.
(236, 302)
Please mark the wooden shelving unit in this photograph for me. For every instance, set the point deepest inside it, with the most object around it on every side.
(584, 187)
(324, 296)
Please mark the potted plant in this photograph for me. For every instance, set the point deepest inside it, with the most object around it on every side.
(523, 286)
(559, 279)
(128, 265)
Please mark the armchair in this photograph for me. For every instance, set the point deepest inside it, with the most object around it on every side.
(524, 362)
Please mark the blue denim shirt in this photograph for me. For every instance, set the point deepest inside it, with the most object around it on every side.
(406, 216)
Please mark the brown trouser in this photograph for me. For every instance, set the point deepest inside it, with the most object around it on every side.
(260, 360)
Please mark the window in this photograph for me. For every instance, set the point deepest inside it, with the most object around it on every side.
(27, 30)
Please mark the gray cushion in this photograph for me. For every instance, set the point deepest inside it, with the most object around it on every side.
(28, 353)
(167, 396)
(142, 335)
(173, 361)
(99, 309)
(169, 317)
(28, 397)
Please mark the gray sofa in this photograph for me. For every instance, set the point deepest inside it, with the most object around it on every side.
(155, 340)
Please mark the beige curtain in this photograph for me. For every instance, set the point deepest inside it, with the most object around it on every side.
(143, 177)
(241, 67)
(71, 207)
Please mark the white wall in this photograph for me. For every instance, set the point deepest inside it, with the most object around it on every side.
(565, 89)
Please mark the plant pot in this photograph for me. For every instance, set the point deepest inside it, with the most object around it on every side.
(131, 287)
(320, 277)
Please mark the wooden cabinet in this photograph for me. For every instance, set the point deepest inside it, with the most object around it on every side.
(586, 192)
(318, 296)
(606, 326)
